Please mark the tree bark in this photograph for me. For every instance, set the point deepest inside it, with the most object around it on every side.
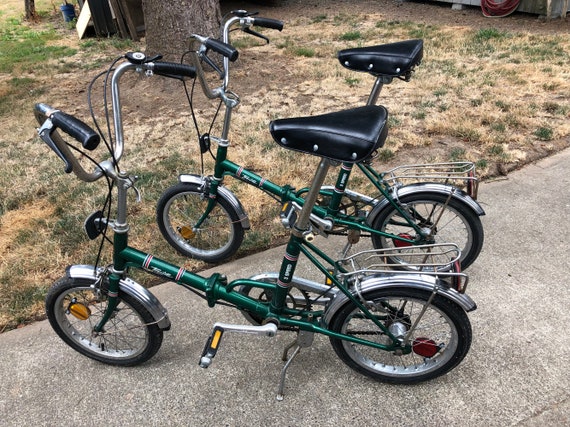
(169, 24)
(31, 14)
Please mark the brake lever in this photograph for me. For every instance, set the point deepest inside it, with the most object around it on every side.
(154, 58)
(255, 33)
(45, 134)
(211, 63)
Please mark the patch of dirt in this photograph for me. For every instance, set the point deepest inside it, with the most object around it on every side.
(13, 222)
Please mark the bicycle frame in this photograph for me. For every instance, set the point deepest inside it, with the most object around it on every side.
(330, 214)
(216, 288)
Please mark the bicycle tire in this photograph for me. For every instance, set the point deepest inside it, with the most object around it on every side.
(458, 224)
(218, 238)
(74, 306)
(444, 332)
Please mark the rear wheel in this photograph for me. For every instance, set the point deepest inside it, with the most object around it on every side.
(75, 306)
(438, 343)
(217, 238)
(448, 221)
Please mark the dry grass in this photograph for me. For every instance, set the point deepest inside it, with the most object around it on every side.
(499, 97)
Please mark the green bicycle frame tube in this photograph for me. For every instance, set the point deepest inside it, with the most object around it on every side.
(217, 289)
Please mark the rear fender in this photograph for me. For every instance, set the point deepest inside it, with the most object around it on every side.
(428, 187)
(400, 280)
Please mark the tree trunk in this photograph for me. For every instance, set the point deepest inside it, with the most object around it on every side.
(31, 14)
(169, 24)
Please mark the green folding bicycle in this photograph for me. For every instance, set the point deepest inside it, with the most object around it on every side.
(399, 326)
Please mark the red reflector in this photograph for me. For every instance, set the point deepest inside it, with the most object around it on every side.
(425, 347)
(400, 243)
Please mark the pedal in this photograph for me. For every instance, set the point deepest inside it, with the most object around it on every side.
(215, 339)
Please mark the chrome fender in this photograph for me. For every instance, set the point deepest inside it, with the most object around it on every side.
(130, 287)
(428, 187)
(400, 280)
(222, 192)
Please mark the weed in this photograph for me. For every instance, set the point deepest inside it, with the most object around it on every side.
(550, 86)
(419, 115)
(318, 18)
(467, 134)
(307, 52)
(393, 121)
(496, 150)
(477, 102)
(502, 105)
(440, 92)
(457, 154)
(385, 155)
(498, 127)
(350, 36)
(481, 164)
(555, 108)
(352, 81)
(544, 133)
(486, 34)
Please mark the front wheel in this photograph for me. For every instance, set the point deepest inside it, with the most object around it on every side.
(439, 342)
(75, 306)
(217, 238)
(446, 221)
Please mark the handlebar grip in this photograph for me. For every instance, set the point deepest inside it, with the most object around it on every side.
(222, 48)
(174, 69)
(274, 24)
(77, 129)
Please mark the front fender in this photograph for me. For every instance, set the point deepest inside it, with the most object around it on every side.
(428, 187)
(222, 192)
(128, 286)
(400, 280)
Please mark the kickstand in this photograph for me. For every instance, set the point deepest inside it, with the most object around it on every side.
(304, 339)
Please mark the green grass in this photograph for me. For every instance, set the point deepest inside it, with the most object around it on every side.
(306, 52)
(351, 35)
(24, 49)
(544, 133)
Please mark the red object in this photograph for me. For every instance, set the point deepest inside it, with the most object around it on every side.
(425, 347)
(402, 244)
(498, 9)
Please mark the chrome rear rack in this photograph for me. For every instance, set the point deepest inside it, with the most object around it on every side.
(459, 174)
(438, 260)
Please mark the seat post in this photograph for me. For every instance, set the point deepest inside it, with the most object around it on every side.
(375, 92)
(303, 222)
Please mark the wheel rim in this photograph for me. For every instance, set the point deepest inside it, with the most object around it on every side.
(125, 335)
(451, 227)
(434, 327)
(214, 236)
